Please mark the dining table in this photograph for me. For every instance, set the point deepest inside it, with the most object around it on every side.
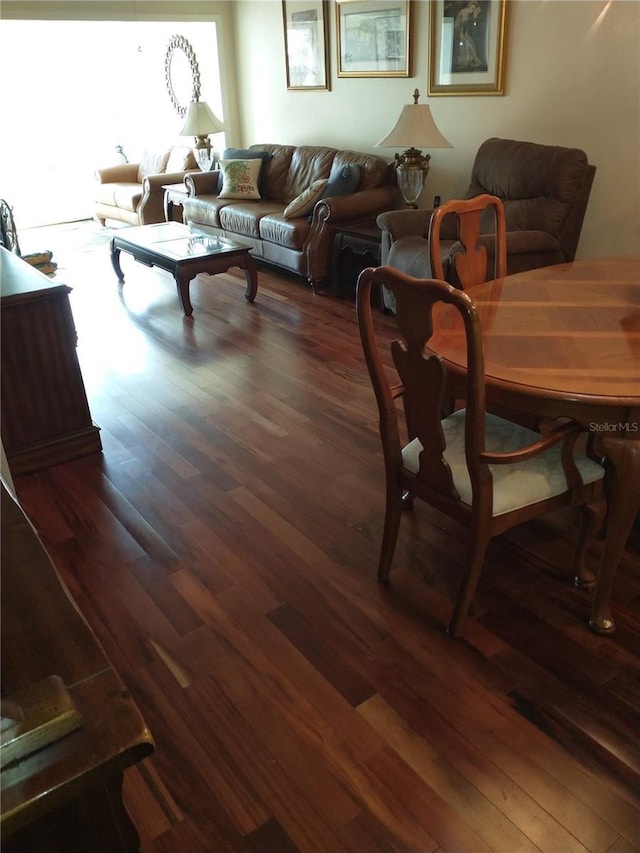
(564, 342)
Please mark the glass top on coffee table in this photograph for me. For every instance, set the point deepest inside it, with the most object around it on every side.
(177, 241)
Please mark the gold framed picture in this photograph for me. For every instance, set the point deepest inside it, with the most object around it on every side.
(306, 42)
(373, 38)
(466, 47)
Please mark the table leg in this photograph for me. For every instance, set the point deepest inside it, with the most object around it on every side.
(251, 274)
(115, 262)
(182, 280)
(624, 504)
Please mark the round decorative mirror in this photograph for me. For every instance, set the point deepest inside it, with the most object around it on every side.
(181, 74)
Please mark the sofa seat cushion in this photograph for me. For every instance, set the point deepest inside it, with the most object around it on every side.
(205, 209)
(123, 195)
(290, 233)
(244, 217)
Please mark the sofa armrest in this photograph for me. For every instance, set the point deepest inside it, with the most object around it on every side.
(151, 207)
(153, 183)
(366, 204)
(202, 183)
(123, 173)
(329, 213)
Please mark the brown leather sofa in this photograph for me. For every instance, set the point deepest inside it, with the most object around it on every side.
(545, 190)
(133, 192)
(301, 244)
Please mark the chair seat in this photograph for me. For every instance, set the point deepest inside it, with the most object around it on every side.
(516, 485)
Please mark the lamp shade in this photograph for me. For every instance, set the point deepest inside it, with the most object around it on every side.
(201, 121)
(415, 129)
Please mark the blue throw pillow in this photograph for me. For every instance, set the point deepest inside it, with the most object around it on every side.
(343, 180)
(243, 154)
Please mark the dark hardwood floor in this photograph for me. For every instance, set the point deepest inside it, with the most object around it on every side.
(224, 550)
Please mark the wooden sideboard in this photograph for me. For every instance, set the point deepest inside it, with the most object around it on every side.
(64, 797)
(45, 413)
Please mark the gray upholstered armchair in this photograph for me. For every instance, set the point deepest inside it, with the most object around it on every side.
(544, 188)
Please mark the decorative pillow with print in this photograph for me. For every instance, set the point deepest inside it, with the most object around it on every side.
(305, 202)
(240, 178)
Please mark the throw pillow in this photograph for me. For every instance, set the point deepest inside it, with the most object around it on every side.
(304, 203)
(240, 178)
(342, 180)
(243, 154)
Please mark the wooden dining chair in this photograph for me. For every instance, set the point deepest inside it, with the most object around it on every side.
(483, 470)
(469, 257)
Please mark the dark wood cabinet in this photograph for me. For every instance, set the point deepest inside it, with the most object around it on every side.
(45, 413)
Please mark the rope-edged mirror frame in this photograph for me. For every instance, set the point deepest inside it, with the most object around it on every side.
(180, 43)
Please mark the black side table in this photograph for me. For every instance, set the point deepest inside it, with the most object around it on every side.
(355, 247)
(174, 194)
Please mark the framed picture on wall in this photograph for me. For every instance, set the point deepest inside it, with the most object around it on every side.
(373, 38)
(466, 47)
(306, 43)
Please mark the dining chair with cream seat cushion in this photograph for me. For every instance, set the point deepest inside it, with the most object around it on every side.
(482, 470)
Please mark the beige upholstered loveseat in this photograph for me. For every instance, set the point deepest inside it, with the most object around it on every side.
(357, 187)
(133, 192)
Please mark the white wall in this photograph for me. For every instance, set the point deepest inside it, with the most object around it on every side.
(572, 78)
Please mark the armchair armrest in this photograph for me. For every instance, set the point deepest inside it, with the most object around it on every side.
(405, 223)
(120, 174)
(202, 183)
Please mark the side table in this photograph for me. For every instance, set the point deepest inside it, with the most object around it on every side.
(174, 194)
(355, 247)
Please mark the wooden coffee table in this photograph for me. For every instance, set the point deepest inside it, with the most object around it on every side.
(184, 252)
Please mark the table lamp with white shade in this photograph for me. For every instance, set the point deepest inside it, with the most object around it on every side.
(414, 129)
(200, 122)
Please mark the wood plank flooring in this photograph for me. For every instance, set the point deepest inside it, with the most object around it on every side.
(224, 549)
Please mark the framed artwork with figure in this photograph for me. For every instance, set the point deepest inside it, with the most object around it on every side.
(467, 46)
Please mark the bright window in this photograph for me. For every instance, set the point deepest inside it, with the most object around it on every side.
(77, 90)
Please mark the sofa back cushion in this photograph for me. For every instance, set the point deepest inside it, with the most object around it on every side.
(308, 164)
(374, 171)
(181, 159)
(274, 172)
(538, 184)
(152, 163)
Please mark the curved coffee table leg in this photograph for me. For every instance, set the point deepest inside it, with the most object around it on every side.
(115, 263)
(251, 274)
(624, 504)
(182, 280)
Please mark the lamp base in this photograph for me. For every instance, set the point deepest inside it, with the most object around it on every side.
(205, 158)
(412, 169)
(204, 153)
